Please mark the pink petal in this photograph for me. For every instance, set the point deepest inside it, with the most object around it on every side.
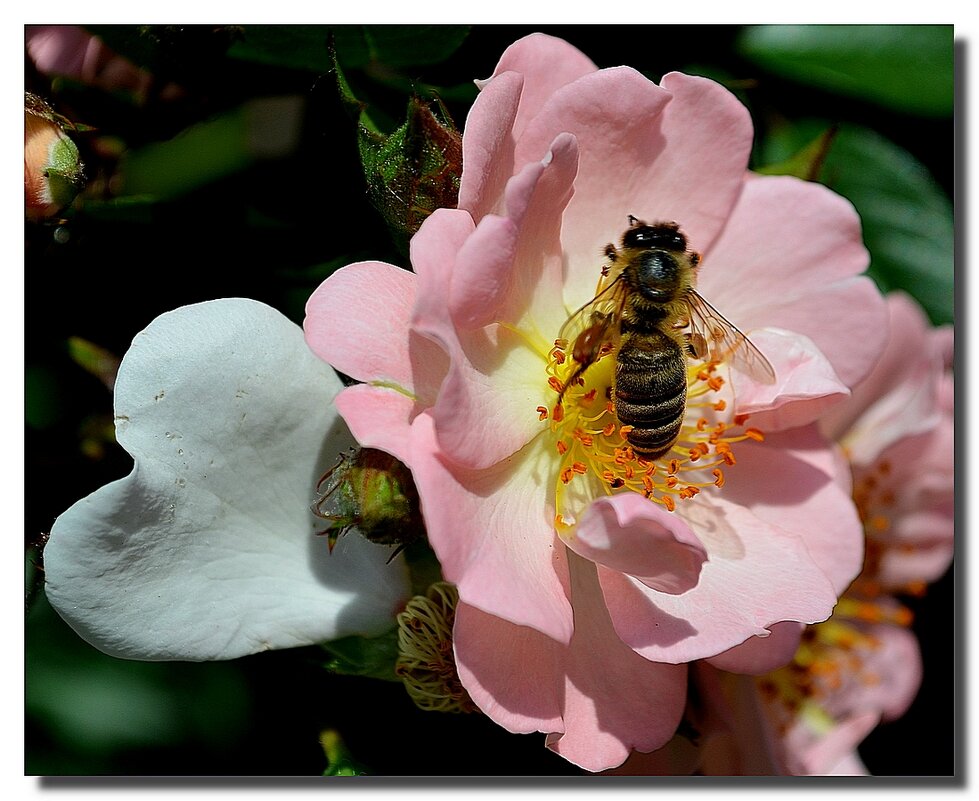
(805, 388)
(789, 482)
(597, 698)
(926, 554)
(757, 575)
(676, 152)
(802, 243)
(378, 417)
(546, 64)
(487, 145)
(834, 753)
(511, 267)
(757, 656)
(358, 321)
(508, 563)
(899, 397)
(637, 537)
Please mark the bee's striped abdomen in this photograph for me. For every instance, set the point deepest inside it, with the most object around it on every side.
(650, 391)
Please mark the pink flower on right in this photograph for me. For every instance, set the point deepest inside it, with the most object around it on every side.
(863, 665)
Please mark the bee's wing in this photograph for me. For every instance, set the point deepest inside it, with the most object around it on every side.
(599, 316)
(722, 341)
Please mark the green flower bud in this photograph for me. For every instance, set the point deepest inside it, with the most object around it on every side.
(373, 492)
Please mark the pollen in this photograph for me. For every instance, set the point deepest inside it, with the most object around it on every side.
(593, 452)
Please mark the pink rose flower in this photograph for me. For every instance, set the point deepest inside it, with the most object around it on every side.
(588, 579)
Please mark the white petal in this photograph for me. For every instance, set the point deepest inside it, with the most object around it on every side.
(207, 549)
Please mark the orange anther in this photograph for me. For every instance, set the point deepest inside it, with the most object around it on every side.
(668, 503)
(718, 477)
(755, 434)
(542, 412)
(720, 406)
(561, 447)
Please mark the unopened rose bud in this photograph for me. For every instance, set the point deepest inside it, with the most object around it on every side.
(53, 170)
(373, 492)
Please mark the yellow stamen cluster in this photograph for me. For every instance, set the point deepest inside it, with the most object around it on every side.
(425, 661)
(590, 441)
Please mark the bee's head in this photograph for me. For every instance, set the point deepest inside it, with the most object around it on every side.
(662, 236)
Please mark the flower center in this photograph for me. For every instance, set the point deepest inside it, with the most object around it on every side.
(594, 449)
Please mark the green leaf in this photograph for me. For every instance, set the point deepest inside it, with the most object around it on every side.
(374, 657)
(906, 217)
(358, 46)
(909, 68)
(416, 45)
(264, 128)
(302, 47)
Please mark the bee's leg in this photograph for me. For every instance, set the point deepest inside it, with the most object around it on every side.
(696, 345)
(611, 254)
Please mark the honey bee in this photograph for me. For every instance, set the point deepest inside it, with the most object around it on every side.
(650, 317)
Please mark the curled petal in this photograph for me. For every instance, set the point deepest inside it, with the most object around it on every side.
(756, 575)
(806, 385)
(631, 534)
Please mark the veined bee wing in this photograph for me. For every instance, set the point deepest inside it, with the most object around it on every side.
(593, 330)
(713, 336)
(594, 323)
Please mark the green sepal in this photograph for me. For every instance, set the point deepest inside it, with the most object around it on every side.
(806, 163)
(65, 172)
(411, 171)
(373, 657)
